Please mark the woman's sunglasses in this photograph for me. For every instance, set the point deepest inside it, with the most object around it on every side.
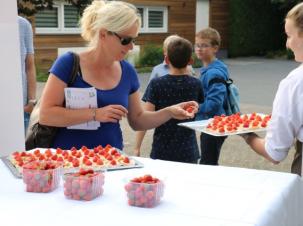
(124, 40)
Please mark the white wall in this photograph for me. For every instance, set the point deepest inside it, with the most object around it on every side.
(11, 109)
(202, 14)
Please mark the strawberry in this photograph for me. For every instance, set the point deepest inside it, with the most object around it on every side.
(78, 155)
(54, 157)
(147, 177)
(136, 180)
(126, 160)
(88, 163)
(113, 152)
(221, 130)
(255, 123)
(108, 146)
(102, 152)
(59, 151)
(90, 171)
(83, 148)
(60, 159)
(16, 153)
(95, 159)
(189, 109)
(74, 152)
(109, 157)
(37, 152)
(76, 163)
(96, 150)
(48, 152)
(42, 157)
(70, 158)
(99, 162)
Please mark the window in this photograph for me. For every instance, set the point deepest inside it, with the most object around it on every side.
(62, 18)
(154, 19)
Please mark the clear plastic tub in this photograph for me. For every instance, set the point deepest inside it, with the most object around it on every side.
(144, 194)
(83, 187)
(42, 176)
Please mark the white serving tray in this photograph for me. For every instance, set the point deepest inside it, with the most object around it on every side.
(200, 126)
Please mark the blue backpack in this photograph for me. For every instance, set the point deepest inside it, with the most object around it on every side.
(232, 104)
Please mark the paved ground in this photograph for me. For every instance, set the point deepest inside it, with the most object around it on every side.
(258, 81)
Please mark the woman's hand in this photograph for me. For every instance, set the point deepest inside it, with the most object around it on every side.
(110, 113)
(28, 108)
(137, 152)
(184, 110)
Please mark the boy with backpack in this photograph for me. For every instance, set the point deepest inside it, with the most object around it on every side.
(213, 75)
(170, 141)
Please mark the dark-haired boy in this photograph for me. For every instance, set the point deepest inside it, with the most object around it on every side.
(172, 142)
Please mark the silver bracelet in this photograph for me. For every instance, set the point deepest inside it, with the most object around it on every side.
(94, 113)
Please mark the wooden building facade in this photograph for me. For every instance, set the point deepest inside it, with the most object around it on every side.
(160, 19)
(218, 19)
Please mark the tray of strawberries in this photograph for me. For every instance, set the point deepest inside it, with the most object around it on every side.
(99, 158)
(231, 125)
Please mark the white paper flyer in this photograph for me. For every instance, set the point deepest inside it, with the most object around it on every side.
(79, 98)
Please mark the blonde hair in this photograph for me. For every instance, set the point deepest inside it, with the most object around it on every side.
(167, 40)
(296, 15)
(211, 34)
(115, 16)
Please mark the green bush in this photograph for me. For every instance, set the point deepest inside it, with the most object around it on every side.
(290, 55)
(41, 76)
(197, 63)
(283, 53)
(255, 27)
(150, 56)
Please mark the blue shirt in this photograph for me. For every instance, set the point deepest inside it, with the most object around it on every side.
(172, 142)
(159, 71)
(215, 94)
(107, 133)
(163, 69)
(26, 47)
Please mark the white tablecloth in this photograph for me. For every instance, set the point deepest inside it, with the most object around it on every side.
(194, 195)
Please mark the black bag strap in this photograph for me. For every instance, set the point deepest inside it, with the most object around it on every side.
(75, 70)
(221, 80)
(226, 83)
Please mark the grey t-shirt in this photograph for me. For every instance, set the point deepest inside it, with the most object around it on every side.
(26, 47)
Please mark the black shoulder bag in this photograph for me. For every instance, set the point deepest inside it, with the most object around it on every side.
(42, 136)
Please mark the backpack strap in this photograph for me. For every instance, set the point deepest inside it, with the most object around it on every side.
(227, 82)
(220, 80)
(75, 70)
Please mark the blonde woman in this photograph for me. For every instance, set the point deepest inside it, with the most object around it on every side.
(110, 28)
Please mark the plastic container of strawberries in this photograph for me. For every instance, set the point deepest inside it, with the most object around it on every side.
(145, 191)
(84, 185)
(42, 176)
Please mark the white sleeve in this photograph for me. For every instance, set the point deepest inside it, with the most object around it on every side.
(286, 121)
